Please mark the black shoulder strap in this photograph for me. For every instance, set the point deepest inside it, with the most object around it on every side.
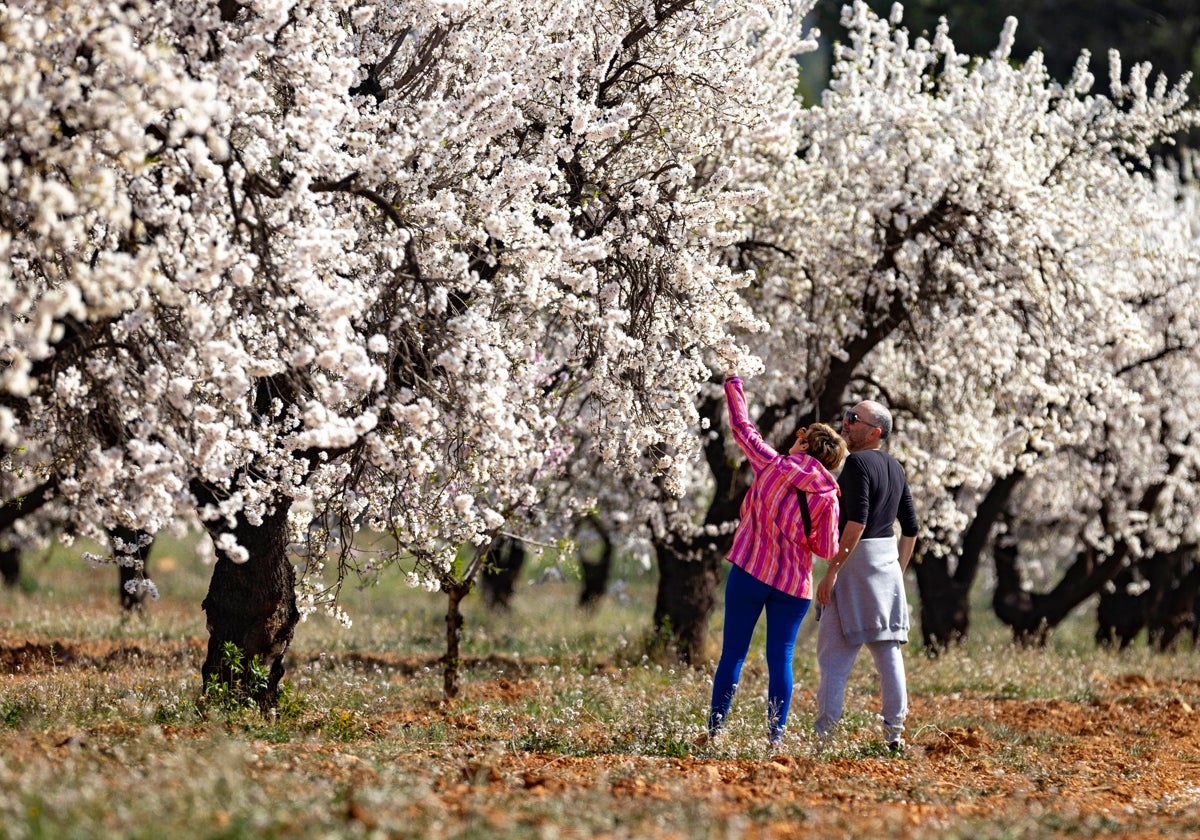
(802, 498)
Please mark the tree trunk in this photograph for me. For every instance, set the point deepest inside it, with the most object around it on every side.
(596, 572)
(131, 565)
(945, 597)
(1122, 612)
(1012, 603)
(501, 568)
(1158, 593)
(454, 621)
(10, 566)
(1033, 615)
(687, 595)
(1175, 586)
(945, 611)
(252, 606)
(11, 510)
(132, 599)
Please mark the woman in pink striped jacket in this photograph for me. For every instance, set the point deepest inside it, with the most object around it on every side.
(772, 554)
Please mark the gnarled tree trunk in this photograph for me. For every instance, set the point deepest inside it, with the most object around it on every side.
(945, 595)
(596, 570)
(1158, 594)
(1032, 615)
(10, 566)
(687, 595)
(252, 605)
(501, 568)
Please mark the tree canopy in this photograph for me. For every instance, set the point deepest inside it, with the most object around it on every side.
(432, 271)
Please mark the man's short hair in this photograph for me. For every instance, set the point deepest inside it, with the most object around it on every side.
(883, 417)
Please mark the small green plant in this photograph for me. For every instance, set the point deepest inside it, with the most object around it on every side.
(290, 705)
(12, 713)
(237, 695)
(178, 711)
(545, 740)
(344, 725)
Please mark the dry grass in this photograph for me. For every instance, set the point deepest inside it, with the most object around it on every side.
(563, 729)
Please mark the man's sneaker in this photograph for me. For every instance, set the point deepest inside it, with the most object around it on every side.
(896, 747)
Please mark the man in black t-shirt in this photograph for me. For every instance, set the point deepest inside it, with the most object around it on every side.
(862, 594)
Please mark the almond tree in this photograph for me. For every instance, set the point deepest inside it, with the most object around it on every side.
(1114, 513)
(943, 241)
(304, 270)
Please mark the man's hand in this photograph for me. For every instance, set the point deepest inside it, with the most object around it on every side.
(851, 534)
(825, 587)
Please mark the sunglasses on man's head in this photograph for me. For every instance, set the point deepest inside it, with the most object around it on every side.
(852, 417)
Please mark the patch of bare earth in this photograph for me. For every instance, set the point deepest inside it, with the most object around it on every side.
(1125, 761)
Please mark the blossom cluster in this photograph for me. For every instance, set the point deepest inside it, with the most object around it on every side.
(430, 270)
(389, 264)
(998, 256)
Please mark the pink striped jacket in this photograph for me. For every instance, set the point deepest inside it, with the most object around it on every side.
(769, 543)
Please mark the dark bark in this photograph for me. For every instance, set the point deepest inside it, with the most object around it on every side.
(1174, 589)
(501, 568)
(1012, 603)
(1122, 613)
(882, 315)
(596, 571)
(11, 511)
(945, 611)
(131, 601)
(10, 566)
(1032, 615)
(990, 508)
(252, 605)
(1158, 595)
(946, 596)
(687, 595)
(451, 662)
(131, 565)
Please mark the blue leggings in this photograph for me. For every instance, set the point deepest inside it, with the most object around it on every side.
(745, 598)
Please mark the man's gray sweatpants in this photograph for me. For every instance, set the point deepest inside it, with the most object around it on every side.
(836, 655)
